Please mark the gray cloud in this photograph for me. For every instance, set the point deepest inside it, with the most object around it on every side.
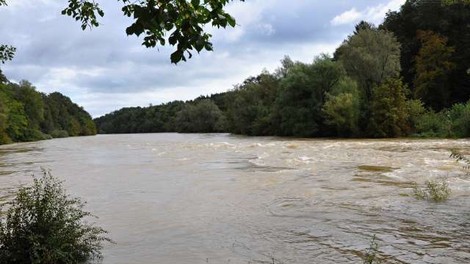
(103, 69)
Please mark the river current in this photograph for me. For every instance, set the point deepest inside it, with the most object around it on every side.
(219, 198)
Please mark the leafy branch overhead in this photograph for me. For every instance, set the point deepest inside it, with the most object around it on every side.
(178, 23)
(6, 53)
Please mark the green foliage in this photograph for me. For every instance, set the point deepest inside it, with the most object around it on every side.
(415, 109)
(62, 114)
(17, 121)
(27, 115)
(342, 113)
(371, 253)
(84, 11)
(303, 91)
(251, 104)
(150, 119)
(370, 57)
(299, 103)
(326, 75)
(202, 117)
(432, 124)
(433, 190)
(32, 101)
(3, 78)
(453, 122)
(179, 23)
(6, 53)
(432, 68)
(59, 134)
(459, 115)
(389, 116)
(43, 224)
(449, 21)
(454, 2)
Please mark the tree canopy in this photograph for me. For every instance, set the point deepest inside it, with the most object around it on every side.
(27, 115)
(408, 76)
(444, 27)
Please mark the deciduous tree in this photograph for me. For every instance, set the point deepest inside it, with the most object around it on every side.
(389, 116)
(201, 117)
(370, 56)
(433, 65)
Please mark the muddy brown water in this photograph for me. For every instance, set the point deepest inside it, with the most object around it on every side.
(218, 198)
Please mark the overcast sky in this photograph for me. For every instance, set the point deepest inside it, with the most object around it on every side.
(104, 70)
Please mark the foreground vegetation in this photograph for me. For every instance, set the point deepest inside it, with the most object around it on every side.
(433, 190)
(406, 77)
(43, 224)
(28, 115)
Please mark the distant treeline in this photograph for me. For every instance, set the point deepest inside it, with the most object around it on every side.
(28, 115)
(408, 76)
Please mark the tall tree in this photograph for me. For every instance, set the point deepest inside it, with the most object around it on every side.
(251, 105)
(342, 109)
(299, 103)
(433, 65)
(389, 110)
(201, 117)
(370, 56)
(450, 20)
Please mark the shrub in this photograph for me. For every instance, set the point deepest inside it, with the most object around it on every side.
(459, 115)
(45, 225)
(433, 124)
(59, 134)
(434, 190)
(372, 252)
(35, 135)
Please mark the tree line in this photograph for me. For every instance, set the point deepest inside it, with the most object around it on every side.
(407, 76)
(28, 115)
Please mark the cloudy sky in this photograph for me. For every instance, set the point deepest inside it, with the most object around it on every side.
(104, 70)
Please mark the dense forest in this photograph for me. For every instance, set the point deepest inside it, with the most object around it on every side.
(409, 76)
(28, 115)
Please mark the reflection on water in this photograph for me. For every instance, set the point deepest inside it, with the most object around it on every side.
(174, 198)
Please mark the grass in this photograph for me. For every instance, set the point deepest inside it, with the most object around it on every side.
(433, 190)
(372, 252)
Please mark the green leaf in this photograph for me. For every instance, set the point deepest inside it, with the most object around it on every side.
(195, 3)
(176, 57)
(231, 21)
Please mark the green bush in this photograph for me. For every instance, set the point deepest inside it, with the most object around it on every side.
(45, 225)
(459, 115)
(434, 190)
(433, 124)
(35, 135)
(59, 134)
(452, 122)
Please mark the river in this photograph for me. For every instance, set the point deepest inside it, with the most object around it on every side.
(219, 198)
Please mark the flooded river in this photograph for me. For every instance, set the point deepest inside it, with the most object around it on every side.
(218, 198)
